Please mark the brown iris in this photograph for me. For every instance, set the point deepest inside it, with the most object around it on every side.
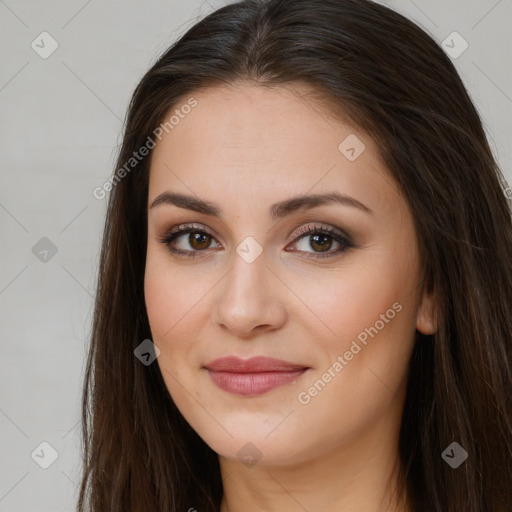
(199, 241)
(324, 246)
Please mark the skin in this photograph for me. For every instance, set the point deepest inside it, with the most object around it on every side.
(245, 147)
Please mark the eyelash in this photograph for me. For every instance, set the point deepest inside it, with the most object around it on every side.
(182, 229)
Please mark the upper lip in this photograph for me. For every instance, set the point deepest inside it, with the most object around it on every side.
(252, 365)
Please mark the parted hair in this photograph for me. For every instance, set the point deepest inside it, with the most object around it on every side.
(390, 78)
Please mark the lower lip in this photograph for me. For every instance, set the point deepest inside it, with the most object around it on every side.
(253, 383)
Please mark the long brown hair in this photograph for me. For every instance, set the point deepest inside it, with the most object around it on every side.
(392, 80)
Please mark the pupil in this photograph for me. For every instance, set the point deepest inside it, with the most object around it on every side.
(323, 245)
(199, 239)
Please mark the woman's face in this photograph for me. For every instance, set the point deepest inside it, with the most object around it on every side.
(330, 287)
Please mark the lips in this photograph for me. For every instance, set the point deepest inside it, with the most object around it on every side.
(252, 376)
(252, 365)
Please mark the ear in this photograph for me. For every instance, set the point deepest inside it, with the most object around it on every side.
(426, 321)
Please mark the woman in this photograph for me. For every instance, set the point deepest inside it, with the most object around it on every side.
(304, 296)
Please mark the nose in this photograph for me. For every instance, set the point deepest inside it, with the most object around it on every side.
(250, 299)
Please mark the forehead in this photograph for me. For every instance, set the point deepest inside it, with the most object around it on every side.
(276, 122)
(247, 141)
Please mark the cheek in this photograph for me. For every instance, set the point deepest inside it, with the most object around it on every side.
(353, 298)
(370, 308)
(172, 294)
(161, 305)
(355, 303)
(167, 302)
(161, 300)
(166, 299)
(176, 304)
(373, 317)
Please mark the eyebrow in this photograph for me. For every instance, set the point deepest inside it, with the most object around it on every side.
(277, 210)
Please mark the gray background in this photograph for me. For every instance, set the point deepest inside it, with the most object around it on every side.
(61, 125)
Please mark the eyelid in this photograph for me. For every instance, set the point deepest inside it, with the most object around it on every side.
(315, 226)
(307, 228)
(340, 236)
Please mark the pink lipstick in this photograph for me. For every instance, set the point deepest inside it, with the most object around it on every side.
(252, 376)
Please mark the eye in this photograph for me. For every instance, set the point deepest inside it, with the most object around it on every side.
(319, 239)
(198, 240)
